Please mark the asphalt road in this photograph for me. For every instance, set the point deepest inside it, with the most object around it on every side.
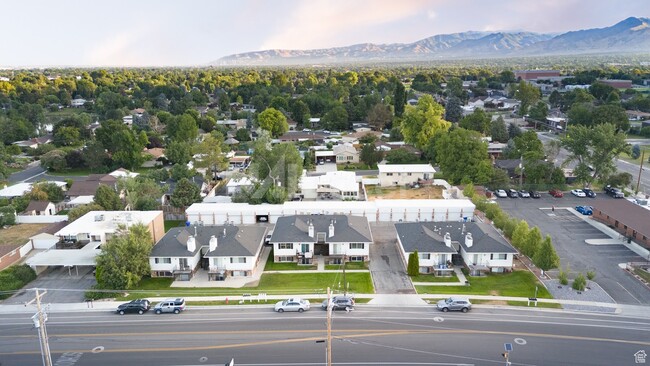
(366, 336)
(386, 264)
(569, 233)
(36, 173)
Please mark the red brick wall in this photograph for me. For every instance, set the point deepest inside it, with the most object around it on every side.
(10, 258)
(620, 227)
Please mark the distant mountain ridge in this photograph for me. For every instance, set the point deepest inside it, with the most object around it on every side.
(629, 35)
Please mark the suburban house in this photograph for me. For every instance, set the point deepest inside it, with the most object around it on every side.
(345, 153)
(40, 208)
(77, 102)
(80, 241)
(332, 185)
(171, 186)
(298, 136)
(35, 142)
(216, 251)
(89, 186)
(233, 124)
(338, 238)
(20, 189)
(626, 217)
(443, 244)
(235, 185)
(404, 174)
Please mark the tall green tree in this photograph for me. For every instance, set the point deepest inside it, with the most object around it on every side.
(546, 257)
(453, 110)
(532, 242)
(528, 146)
(54, 160)
(79, 211)
(462, 155)
(594, 148)
(124, 259)
(379, 116)
(499, 131)
(520, 235)
(413, 266)
(300, 112)
(274, 121)
(422, 122)
(185, 193)
(182, 128)
(528, 95)
(369, 155)
(336, 119)
(179, 152)
(539, 111)
(106, 197)
(477, 121)
(399, 99)
(210, 150)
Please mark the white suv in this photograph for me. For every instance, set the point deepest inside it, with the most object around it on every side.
(501, 193)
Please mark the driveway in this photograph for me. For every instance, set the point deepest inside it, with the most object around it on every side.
(327, 167)
(569, 233)
(62, 286)
(386, 265)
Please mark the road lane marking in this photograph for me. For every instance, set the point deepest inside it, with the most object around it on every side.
(639, 301)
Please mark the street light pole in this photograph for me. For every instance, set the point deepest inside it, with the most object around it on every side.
(39, 322)
(638, 181)
(328, 354)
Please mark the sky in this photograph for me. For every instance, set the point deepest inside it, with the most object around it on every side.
(196, 32)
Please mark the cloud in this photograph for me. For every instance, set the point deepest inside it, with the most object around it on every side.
(328, 23)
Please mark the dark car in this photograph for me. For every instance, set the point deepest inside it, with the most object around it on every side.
(556, 193)
(589, 192)
(535, 194)
(139, 306)
(339, 303)
(512, 193)
(614, 192)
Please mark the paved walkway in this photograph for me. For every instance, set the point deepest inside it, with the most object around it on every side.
(462, 280)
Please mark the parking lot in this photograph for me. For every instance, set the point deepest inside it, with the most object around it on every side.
(63, 286)
(569, 233)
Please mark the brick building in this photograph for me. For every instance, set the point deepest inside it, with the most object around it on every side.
(625, 217)
(536, 74)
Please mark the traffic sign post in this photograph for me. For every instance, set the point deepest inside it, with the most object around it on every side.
(508, 348)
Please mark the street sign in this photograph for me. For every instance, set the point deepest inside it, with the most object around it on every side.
(507, 346)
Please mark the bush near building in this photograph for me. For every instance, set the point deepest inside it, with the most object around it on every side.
(14, 278)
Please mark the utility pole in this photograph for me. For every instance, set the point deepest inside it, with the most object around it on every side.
(328, 354)
(39, 323)
(345, 284)
(638, 181)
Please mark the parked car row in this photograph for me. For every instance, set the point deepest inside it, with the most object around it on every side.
(141, 306)
(502, 193)
(301, 305)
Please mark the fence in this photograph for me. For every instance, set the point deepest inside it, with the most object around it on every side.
(27, 219)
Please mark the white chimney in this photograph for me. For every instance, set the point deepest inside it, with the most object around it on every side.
(331, 229)
(448, 240)
(213, 243)
(311, 229)
(191, 244)
(468, 240)
(224, 232)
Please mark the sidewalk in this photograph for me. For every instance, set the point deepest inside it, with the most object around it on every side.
(462, 280)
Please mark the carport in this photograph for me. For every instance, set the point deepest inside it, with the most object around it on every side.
(67, 258)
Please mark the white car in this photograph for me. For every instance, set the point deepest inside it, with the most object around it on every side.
(578, 193)
(501, 193)
(293, 304)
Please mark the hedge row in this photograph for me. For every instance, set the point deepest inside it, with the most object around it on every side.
(14, 278)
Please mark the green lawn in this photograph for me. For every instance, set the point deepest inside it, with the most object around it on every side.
(518, 283)
(643, 274)
(173, 223)
(637, 161)
(432, 278)
(272, 266)
(348, 265)
(271, 283)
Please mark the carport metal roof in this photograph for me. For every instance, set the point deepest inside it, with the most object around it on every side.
(64, 257)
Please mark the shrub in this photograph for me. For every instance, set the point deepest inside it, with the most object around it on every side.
(97, 293)
(563, 277)
(24, 273)
(579, 283)
(15, 278)
(591, 275)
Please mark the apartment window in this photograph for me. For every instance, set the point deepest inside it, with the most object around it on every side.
(350, 158)
(499, 256)
(356, 258)
(357, 245)
(237, 259)
(162, 260)
(389, 174)
(285, 258)
(285, 246)
(409, 174)
(425, 256)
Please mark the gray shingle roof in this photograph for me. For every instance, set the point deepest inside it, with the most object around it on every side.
(347, 229)
(428, 237)
(238, 241)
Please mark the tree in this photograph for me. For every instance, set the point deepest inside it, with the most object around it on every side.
(581, 114)
(594, 148)
(539, 111)
(94, 156)
(555, 99)
(528, 146)
(546, 258)
(124, 259)
(7, 215)
(369, 155)
(106, 197)
(182, 128)
(520, 235)
(179, 152)
(462, 155)
(336, 119)
(210, 154)
(54, 160)
(242, 135)
(66, 136)
(611, 113)
(379, 116)
(141, 193)
(477, 121)
(527, 94)
(513, 130)
(413, 266)
(499, 131)
(185, 193)
(422, 122)
(274, 121)
(300, 113)
(180, 171)
(532, 242)
(453, 110)
(455, 88)
(399, 100)
(53, 192)
(79, 211)
(401, 156)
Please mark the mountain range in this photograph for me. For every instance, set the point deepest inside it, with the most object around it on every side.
(631, 35)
